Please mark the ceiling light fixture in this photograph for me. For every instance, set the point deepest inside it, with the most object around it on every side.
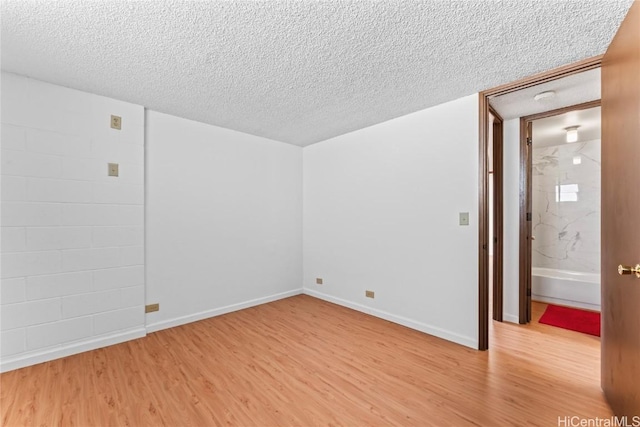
(572, 133)
(544, 95)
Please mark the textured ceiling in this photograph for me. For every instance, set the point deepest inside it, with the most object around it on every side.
(297, 71)
(551, 130)
(572, 90)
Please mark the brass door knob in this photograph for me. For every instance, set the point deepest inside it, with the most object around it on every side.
(624, 270)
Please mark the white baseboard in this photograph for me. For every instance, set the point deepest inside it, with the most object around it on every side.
(513, 318)
(33, 358)
(413, 324)
(177, 321)
(566, 303)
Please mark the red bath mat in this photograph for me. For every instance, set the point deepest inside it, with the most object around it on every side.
(587, 322)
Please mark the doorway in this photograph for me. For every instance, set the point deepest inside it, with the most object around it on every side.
(536, 82)
(560, 235)
(620, 125)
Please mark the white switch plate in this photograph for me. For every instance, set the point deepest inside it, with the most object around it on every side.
(464, 218)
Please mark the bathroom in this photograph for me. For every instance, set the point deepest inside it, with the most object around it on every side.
(566, 209)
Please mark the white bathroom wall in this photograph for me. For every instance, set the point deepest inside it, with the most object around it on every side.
(566, 206)
(224, 220)
(511, 219)
(72, 246)
(381, 213)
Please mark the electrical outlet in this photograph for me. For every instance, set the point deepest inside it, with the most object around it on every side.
(116, 122)
(151, 308)
(318, 281)
(113, 169)
(369, 294)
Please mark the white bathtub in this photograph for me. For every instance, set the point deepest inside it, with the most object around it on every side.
(571, 288)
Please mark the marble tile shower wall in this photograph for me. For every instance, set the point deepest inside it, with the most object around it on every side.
(566, 207)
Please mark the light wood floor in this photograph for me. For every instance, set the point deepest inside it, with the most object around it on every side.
(303, 361)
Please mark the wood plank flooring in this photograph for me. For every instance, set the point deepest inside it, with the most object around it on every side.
(302, 361)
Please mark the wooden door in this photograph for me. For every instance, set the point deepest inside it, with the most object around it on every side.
(621, 217)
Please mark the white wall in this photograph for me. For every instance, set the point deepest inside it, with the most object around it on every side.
(72, 238)
(381, 211)
(511, 218)
(224, 220)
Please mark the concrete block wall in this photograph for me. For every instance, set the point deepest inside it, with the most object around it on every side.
(72, 249)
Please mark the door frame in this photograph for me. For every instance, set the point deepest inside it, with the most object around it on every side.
(483, 178)
(524, 288)
(498, 248)
(525, 222)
